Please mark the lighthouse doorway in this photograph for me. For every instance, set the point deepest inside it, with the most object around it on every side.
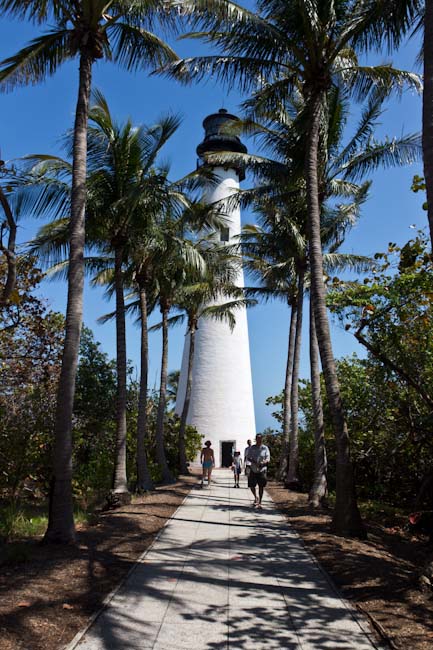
(227, 452)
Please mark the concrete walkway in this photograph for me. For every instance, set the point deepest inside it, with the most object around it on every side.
(223, 575)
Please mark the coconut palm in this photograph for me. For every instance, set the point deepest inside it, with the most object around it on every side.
(338, 168)
(88, 31)
(313, 46)
(126, 190)
(178, 257)
(149, 241)
(8, 249)
(427, 110)
(142, 214)
(319, 489)
(272, 262)
(277, 257)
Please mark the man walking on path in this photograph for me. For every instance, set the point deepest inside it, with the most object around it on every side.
(259, 457)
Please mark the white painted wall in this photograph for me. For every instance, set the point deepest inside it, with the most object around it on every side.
(222, 406)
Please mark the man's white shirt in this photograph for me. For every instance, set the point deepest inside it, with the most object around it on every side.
(257, 455)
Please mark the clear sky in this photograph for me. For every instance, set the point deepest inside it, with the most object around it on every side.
(33, 119)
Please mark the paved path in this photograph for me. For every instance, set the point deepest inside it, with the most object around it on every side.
(222, 575)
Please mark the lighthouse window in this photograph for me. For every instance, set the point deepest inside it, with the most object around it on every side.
(225, 234)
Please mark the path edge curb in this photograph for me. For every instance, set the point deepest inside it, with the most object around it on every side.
(109, 597)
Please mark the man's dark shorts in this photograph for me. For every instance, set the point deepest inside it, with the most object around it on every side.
(257, 478)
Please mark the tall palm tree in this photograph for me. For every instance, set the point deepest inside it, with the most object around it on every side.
(150, 239)
(178, 257)
(271, 260)
(281, 134)
(319, 489)
(310, 47)
(125, 190)
(142, 215)
(9, 249)
(427, 110)
(88, 31)
(277, 257)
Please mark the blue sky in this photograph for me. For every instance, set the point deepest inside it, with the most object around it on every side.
(33, 119)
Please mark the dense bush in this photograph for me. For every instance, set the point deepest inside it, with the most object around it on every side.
(31, 339)
(387, 394)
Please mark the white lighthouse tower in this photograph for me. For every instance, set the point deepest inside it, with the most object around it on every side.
(221, 407)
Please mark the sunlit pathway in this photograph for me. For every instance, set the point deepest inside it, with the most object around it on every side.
(223, 575)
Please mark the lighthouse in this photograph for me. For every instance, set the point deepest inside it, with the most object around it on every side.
(222, 406)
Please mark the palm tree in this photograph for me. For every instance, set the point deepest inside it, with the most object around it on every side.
(427, 110)
(280, 133)
(271, 261)
(178, 257)
(125, 191)
(8, 250)
(150, 237)
(137, 206)
(319, 489)
(308, 47)
(277, 256)
(84, 29)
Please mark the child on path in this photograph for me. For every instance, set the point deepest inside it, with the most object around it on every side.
(207, 460)
(237, 467)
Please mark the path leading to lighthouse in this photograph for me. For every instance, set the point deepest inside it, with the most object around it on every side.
(222, 575)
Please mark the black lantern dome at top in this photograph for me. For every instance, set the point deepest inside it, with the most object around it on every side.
(219, 136)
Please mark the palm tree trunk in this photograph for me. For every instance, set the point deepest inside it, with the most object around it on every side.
(144, 480)
(346, 518)
(427, 111)
(61, 516)
(160, 451)
(185, 409)
(319, 489)
(282, 470)
(9, 252)
(120, 485)
(292, 479)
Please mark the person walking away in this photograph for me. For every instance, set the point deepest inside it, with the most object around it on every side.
(259, 457)
(207, 460)
(247, 463)
(237, 467)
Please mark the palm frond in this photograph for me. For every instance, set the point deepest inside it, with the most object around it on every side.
(394, 152)
(34, 63)
(135, 48)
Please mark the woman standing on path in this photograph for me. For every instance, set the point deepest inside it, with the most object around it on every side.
(207, 460)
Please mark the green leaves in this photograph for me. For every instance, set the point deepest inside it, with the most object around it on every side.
(39, 59)
(391, 314)
(86, 29)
